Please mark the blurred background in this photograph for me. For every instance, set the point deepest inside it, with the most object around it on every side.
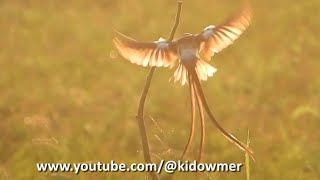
(66, 96)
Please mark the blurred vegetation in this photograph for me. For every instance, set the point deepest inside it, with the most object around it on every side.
(66, 97)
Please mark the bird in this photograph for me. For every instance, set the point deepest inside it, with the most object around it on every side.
(191, 53)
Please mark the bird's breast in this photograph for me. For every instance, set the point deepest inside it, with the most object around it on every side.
(188, 55)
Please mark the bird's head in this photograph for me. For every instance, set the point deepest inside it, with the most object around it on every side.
(187, 34)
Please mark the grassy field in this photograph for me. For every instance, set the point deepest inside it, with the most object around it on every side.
(65, 97)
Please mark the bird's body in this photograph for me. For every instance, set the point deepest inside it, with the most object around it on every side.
(188, 55)
(187, 47)
(191, 52)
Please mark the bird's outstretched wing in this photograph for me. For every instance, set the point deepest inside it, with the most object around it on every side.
(215, 38)
(159, 53)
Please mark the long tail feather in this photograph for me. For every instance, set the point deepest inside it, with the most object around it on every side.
(206, 106)
(202, 140)
(193, 117)
(200, 106)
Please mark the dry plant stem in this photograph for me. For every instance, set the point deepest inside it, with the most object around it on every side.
(177, 21)
(139, 116)
(215, 122)
(142, 128)
(193, 117)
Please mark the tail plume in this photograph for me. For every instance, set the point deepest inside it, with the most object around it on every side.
(229, 136)
(193, 116)
(203, 127)
(202, 68)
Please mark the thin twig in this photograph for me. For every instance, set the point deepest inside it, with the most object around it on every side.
(139, 116)
(142, 128)
(177, 21)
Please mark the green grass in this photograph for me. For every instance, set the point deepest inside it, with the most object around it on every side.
(63, 99)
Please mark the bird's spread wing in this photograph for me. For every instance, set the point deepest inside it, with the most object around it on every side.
(159, 53)
(215, 38)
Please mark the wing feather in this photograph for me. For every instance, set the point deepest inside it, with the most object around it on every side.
(215, 38)
(159, 53)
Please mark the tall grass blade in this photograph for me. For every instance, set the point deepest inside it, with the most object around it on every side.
(247, 160)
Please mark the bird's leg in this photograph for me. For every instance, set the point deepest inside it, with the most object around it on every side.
(202, 126)
(215, 122)
(193, 116)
